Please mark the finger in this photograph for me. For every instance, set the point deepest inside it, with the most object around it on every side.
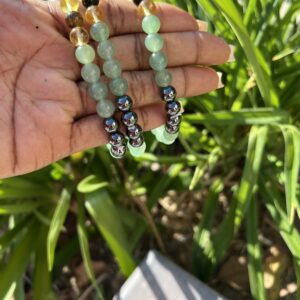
(189, 81)
(121, 17)
(88, 132)
(182, 48)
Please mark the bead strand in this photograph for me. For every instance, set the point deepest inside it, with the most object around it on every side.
(90, 72)
(118, 85)
(158, 61)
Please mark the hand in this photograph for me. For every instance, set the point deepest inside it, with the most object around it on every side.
(46, 113)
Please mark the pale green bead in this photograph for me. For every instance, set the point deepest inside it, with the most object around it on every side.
(163, 78)
(99, 32)
(112, 68)
(106, 50)
(105, 108)
(151, 24)
(137, 151)
(163, 136)
(154, 42)
(170, 136)
(119, 86)
(159, 130)
(158, 61)
(90, 72)
(98, 90)
(85, 54)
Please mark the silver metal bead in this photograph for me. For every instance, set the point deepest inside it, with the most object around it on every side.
(168, 93)
(119, 151)
(137, 142)
(111, 125)
(129, 118)
(116, 139)
(134, 131)
(174, 120)
(172, 129)
(124, 103)
(173, 107)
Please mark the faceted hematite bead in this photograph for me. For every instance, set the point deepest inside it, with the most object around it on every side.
(173, 107)
(105, 108)
(118, 152)
(69, 5)
(163, 78)
(90, 72)
(154, 42)
(137, 151)
(158, 61)
(137, 142)
(168, 93)
(74, 19)
(85, 54)
(79, 36)
(99, 31)
(88, 3)
(116, 139)
(134, 132)
(129, 118)
(106, 49)
(98, 90)
(172, 129)
(146, 7)
(94, 14)
(118, 86)
(124, 103)
(174, 120)
(112, 68)
(111, 125)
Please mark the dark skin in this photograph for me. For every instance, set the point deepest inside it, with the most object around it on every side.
(46, 113)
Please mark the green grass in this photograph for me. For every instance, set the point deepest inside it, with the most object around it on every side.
(251, 126)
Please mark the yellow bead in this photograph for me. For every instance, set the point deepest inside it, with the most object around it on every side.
(69, 5)
(146, 8)
(94, 14)
(79, 36)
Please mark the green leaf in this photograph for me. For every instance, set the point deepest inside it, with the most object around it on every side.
(255, 268)
(90, 184)
(56, 225)
(103, 211)
(21, 207)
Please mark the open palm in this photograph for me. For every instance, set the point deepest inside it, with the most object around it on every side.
(45, 111)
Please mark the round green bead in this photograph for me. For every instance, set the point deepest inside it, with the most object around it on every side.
(99, 32)
(151, 24)
(106, 50)
(98, 90)
(119, 86)
(85, 54)
(90, 72)
(158, 61)
(154, 42)
(163, 78)
(137, 151)
(105, 108)
(112, 68)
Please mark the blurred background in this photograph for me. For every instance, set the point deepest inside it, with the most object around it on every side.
(222, 202)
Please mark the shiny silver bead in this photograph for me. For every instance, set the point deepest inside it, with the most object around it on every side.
(116, 139)
(124, 103)
(168, 93)
(172, 129)
(134, 132)
(119, 151)
(174, 120)
(137, 142)
(111, 125)
(129, 118)
(173, 107)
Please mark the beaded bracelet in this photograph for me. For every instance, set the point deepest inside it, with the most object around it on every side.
(158, 61)
(99, 32)
(90, 72)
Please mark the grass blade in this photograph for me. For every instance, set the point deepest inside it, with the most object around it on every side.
(56, 225)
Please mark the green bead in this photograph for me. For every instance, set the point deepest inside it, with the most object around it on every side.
(119, 86)
(99, 32)
(90, 72)
(112, 68)
(151, 24)
(159, 130)
(137, 151)
(85, 54)
(163, 78)
(170, 136)
(158, 61)
(154, 42)
(106, 50)
(105, 108)
(98, 90)
(163, 136)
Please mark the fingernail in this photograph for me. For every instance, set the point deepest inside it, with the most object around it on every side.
(202, 26)
(181, 110)
(231, 54)
(220, 83)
